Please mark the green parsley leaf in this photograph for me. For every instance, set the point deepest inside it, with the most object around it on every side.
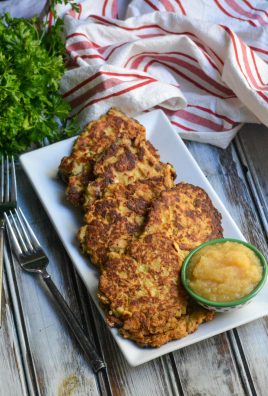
(31, 67)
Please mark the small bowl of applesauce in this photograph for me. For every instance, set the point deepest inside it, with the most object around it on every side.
(224, 274)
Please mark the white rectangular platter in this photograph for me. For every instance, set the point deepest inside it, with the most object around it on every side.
(41, 166)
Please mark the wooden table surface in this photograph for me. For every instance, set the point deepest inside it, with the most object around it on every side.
(39, 357)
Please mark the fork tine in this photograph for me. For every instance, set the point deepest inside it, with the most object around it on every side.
(18, 227)
(25, 231)
(34, 241)
(7, 180)
(2, 179)
(13, 236)
(13, 196)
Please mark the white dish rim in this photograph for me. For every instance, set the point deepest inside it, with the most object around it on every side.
(226, 321)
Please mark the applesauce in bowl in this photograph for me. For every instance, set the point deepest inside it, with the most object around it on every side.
(223, 274)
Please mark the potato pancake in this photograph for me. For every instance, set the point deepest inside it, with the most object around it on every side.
(113, 220)
(138, 229)
(142, 294)
(141, 288)
(185, 214)
(77, 168)
(125, 162)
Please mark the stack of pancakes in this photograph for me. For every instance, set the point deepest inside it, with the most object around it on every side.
(138, 228)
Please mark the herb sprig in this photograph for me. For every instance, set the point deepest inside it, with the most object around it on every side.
(31, 67)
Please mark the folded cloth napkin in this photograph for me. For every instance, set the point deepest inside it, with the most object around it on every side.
(203, 62)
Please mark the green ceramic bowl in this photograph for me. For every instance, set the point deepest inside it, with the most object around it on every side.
(230, 305)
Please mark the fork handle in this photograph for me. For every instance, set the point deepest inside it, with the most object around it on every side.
(87, 346)
(2, 229)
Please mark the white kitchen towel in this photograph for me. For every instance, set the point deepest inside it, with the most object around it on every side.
(203, 62)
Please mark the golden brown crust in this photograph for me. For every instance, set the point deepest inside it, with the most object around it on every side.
(143, 295)
(185, 325)
(186, 214)
(126, 162)
(113, 220)
(141, 288)
(97, 136)
(139, 227)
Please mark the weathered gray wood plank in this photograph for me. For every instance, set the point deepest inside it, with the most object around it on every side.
(219, 369)
(214, 366)
(153, 378)
(11, 369)
(59, 364)
(48, 341)
(210, 367)
(252, 145)
(222, 167)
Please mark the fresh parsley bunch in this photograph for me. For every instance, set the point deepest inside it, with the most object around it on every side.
(31, 67)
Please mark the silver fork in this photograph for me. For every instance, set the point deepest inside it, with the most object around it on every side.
(32, 258)
(8, 200)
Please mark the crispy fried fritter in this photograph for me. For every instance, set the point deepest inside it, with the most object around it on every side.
(139, 228)
(125, 162)
(185, 325)
(185, 214)
(114, 219)
(141, 288)
(97, 136)
(142, 293)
